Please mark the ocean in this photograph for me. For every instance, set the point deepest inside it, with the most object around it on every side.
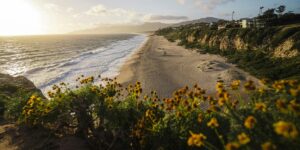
(51, 59)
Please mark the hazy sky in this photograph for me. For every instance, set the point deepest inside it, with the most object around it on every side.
(61, 16)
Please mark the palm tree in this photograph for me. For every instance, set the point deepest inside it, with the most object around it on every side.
(232, 15)
(280, 9)
(261, 9)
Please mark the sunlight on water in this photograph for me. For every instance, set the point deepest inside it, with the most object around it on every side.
(16, 69)
(48, 60)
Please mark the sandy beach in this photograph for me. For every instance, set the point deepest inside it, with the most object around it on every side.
(164, 66)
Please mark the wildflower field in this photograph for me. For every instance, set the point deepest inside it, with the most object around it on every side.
(110, 116)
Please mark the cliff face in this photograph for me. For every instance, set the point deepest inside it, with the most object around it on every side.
(272, 52)
(10, 86)
(280, 42)
(14, 89)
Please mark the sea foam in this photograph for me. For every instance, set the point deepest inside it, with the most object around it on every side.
(105, 60)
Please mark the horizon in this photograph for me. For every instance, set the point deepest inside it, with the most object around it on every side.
(54, 17)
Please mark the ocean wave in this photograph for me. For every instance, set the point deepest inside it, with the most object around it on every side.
(49, 62)
(104, 60)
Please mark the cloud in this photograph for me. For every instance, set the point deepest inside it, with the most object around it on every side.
(70, 9)
(181, 1)
(207, 5)
(51, 6)
(210, 5)
(165, 18)
(101, 10)
(97, 10)
(105, 15)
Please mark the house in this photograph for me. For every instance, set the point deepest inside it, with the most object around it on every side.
(252, 23)
(247, 23)
(221, 27)
(259, 23)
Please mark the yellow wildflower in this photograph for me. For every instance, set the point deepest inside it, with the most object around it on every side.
(294, 92)
(232, 146)
(243, 138)
(33, 97)
(268, 146)
(261, 106)
(149, 113)
(235, 84)
(47, 109)
(264, 81)
(221, 101)
(29, 111)
(30, 102)
(219, 87)
(281, 105)
(278, 86)
(249, 85)
(213, 123)
(250, 122)
(292, 83)
(196, 140)
(226, 96)
(286, 129)
(94, 89)
(294, 106)
(261, 90)
(200, 118)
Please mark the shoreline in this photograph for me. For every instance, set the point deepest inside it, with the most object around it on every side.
(126, 71)
(165, 67)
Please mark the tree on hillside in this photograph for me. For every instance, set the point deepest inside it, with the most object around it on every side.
(277, 16)
(280, 9)
(269, 12)
(269, 17)
(261, 9)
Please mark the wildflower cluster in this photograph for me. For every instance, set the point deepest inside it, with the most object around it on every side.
(271, 108)
(34, 110)
(105, 112)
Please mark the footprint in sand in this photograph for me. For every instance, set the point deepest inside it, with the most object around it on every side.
(212, 66)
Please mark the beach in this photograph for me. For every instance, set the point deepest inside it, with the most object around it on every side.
(164, 66)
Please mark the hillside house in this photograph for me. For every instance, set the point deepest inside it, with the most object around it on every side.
(259, 23)
(252, 23)
(247, 23)
(221, 27)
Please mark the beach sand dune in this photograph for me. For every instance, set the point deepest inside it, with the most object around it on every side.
(164, 66)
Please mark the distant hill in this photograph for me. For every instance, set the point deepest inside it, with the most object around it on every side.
(145, 27)
(202, 20)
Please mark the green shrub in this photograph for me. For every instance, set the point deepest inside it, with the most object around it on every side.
(284, 34)
(111, 117)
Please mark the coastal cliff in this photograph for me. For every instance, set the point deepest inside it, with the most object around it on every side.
(10, 85)
(270, 45)
(14, 88)
(281, 42)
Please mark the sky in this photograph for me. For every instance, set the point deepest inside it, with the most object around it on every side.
(22, 17)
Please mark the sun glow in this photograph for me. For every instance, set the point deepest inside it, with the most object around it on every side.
(18, 17)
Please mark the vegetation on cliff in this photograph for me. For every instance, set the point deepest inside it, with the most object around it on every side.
(113, 117)
(271, 52)
(12, 89)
